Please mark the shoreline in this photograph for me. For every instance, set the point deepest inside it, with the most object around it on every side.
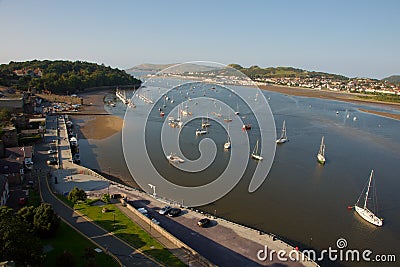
(323, 94)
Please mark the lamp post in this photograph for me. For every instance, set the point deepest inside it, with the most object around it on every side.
(154, 189)
(114, 219)
(109, 175)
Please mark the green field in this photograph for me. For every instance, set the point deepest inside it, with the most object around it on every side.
(67, 239)
(128, 231)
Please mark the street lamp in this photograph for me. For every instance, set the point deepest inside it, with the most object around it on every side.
(109, 175)
(154, 189)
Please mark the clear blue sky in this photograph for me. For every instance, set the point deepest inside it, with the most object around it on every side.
(353, 38)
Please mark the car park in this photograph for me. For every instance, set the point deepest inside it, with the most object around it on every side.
(203, 222)
(165, 210)
(174, 212)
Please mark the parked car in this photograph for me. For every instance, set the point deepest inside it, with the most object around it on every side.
(174, 212)
(165, 210)
(203, 222)
(142, 210)
(155, 221)
(51, 151)
(22, 201)
(76, 159)
(51, 161)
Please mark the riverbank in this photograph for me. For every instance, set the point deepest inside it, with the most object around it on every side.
(331, 95)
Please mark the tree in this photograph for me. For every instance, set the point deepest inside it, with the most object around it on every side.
(27, 214)
(17, 242)
(45, 221)
(76, 194)
(65, 260)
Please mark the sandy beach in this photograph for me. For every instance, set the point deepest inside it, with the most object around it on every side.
(98, 126)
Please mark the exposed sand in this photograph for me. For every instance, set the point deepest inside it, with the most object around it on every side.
(102, 126)
(97, 126)
(385, 114)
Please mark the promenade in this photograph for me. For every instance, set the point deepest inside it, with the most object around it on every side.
(126, 254)
(223, 243)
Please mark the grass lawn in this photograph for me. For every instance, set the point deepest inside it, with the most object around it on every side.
(129, 231)
(67, 239)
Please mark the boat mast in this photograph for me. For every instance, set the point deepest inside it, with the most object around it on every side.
(369, 185)
(322, 147)
(284, 130)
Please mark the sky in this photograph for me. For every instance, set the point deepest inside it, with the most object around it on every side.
(353, 38)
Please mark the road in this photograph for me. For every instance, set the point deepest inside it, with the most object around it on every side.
(127, 254)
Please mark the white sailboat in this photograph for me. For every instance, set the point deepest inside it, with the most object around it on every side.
(363, 210)
(283, 138)
(205, 123)
(174, 158)
(237, 109)
(202, 130)
(321, 154)
(227, 144)
(255, 154)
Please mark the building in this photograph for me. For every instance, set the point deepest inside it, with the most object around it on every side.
(9, 136)
(13, 169)
(4, 190)
(26, 153)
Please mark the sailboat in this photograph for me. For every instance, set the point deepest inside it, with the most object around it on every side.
(321, 153)
(363, 210)
(237, 109)
(174, 158)
(205, 123)
(201, 131)
(228, 119)
(283, 138)
(227, 144)
(255, 154)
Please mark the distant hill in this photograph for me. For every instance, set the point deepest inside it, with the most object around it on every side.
(255, 72)
(149, 67)
(188, 67)
(392, 79)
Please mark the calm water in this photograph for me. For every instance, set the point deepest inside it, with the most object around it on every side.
(301, 200)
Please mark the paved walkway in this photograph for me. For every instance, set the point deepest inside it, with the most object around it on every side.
(126, 254)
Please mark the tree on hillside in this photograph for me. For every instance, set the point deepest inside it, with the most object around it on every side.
(61, 76)
(18, 243)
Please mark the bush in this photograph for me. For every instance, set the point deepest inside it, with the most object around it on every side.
(76, 194)
(106, 198)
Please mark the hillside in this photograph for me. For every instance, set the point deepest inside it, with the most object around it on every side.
(149, 67)
(61, 76)
(392, 79)
(187, 67)
(255, 72)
